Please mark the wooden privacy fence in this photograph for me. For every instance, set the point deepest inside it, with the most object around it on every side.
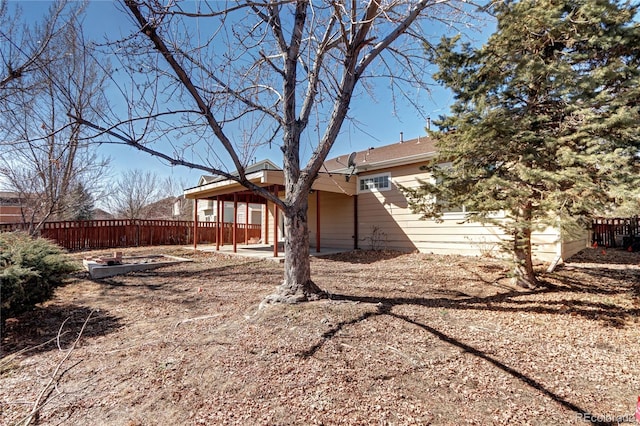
(616, 232)
(100, 234)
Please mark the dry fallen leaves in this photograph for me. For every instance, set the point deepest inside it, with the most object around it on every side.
(404, 339)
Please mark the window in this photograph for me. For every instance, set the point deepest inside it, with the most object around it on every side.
(380, 182)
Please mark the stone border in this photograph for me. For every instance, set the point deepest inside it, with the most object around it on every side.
(98, 271)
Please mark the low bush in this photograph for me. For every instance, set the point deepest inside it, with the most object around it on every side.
(30, 270)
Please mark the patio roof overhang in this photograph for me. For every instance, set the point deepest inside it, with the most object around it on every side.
(329, 182)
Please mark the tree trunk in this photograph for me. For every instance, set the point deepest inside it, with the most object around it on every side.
(524, 276)
(297, 285)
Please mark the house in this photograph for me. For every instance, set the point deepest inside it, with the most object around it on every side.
(181, 208)
(10, 207)
(99, 214)
(356, 203)
(163, 209)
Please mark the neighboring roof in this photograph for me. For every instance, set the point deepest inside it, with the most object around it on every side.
(99, 214)
(204, 179)
(260, 165)
(10, 198)
(9, 194)
(161, 209)
(399, 153)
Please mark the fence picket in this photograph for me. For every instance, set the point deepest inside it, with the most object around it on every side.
(615, 232)
(102, 234)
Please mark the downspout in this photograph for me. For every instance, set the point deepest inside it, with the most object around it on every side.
(318, 221)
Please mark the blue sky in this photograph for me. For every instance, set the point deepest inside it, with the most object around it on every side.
(378, 123)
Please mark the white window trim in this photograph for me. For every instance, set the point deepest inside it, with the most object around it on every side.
(456, 215)
(365, 177)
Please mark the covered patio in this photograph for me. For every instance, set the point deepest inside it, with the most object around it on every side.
(332, 213)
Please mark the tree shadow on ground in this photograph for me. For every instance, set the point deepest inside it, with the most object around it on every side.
(385, 308)
(560, 291)
(615, 275)
(44, 328)
(500, 365)
(364, 256)
(515, 301)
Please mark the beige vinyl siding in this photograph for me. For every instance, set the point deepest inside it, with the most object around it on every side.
(546, 244)
(336, 220)
(571, 246)
(206, 210)
(386, 220)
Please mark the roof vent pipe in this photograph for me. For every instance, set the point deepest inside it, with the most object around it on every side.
(401, 137)
(428, 123)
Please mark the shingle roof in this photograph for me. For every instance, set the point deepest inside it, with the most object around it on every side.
(255, 167)
(384, 154)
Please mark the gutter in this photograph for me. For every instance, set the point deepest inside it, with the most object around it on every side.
(364, 167)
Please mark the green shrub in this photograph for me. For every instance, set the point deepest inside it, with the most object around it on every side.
(30, 270)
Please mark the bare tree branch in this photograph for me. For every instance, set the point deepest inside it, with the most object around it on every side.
(178, 162)
(41, 400)
(150, 31)
(24, 53)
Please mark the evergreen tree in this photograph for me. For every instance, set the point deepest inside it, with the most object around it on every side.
(80, 204)
(545, 124)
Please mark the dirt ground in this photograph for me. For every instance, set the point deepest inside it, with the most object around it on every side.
(404, 339)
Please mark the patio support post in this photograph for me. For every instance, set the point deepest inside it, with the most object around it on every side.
(218, 223)
(317, 221)
(235, 222)
(246, 221)
(195, 224)
(266, 222)
(275, 225)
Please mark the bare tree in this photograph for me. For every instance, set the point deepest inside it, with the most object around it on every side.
(133, 192)
(44, 153)
(282, 72)
(24, 47)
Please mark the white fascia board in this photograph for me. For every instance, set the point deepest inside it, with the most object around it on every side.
(385, 164)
